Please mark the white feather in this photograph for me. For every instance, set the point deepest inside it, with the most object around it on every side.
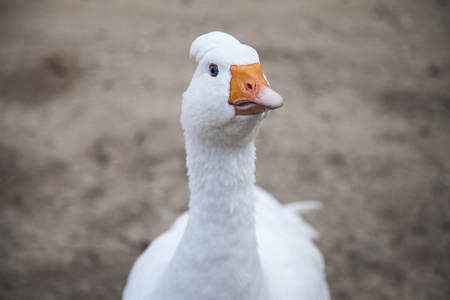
(237, 241)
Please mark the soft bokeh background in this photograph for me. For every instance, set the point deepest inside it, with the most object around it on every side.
(92, 162)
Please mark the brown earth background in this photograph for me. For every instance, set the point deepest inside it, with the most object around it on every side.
(92, 162)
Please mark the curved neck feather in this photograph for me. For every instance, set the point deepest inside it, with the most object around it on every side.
(219, 245)
(221, 179)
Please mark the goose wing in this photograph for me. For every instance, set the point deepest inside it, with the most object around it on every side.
(153, 261)
(292, 262)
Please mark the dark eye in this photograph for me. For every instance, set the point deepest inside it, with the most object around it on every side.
(213, 70)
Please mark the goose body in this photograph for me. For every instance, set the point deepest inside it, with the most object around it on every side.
(236, 241)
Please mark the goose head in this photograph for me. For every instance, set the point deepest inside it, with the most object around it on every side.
(229, 94)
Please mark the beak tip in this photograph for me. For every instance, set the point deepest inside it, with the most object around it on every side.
(269, 98)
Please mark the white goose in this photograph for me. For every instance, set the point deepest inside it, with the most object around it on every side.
(237, 242)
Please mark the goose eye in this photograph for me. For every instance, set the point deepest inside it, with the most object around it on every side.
(213, 70)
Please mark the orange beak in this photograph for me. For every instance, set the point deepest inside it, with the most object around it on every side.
(250, 93)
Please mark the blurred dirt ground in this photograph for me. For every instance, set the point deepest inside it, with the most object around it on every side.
(92, 163)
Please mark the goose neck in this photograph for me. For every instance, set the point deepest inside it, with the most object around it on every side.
(221, 178)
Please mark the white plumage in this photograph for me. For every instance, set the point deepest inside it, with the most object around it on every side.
(237, 242)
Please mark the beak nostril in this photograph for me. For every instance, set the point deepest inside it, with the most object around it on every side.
(249, 87)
